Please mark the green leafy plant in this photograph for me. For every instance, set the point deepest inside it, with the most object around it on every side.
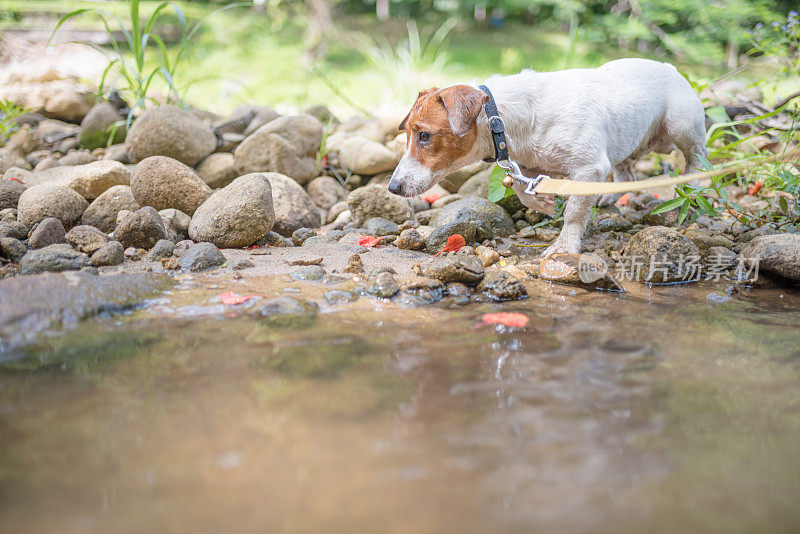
(131, 60)
(9, 112)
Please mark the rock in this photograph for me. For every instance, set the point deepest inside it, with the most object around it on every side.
(201, 257)
(10, 159)
(487, 255)
(142, 229)
(667, 218)
(8, 215)
(466, 269)
(777, 254)
(112, 253)
(336, 210)
(705, 241)
(89, 181)
(612, 222)
(217, 170)
(53, 258)
(343, 219)
(384, 286)
(172, 132)
(237, 215)
(355, 265)
(10, 191)
(42, 201)
(377, 201)
(12, 249)
(99, 124)
(14, 229)
(177, 223)
(76, 157)
(437, 239)
(720, 258)
(239, 264)
(378, 226)
(585, 270)
(261, 115)
(23, 141)
(499, 285)
(300, 236)
(274, 239)
(162, 183)
(292, 206)
(162, 249)
(363, 156)
(134, 253)
(102, 212)
(488, 216)
(286, 145)
(661, 255)
(322, 113)
(410, 239)
(288, 312)
(310, 273)
(86, 239)
(749, 235)
(326, 192)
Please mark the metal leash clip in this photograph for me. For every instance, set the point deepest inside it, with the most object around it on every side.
(514, 174)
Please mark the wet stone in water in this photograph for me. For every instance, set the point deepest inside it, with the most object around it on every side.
(288, 312)
(384, 286)
(53, 258)
(466, 269)
(310, 273)
(499, 285)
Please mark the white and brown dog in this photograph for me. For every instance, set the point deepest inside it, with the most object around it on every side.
(578, 123)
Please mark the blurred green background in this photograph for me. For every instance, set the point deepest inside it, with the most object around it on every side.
(367, 56)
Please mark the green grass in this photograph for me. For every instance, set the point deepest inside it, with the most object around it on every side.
(238, 57)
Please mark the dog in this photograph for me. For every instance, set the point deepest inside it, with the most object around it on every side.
(577, 123)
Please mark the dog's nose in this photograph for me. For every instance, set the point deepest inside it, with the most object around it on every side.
(394, 186)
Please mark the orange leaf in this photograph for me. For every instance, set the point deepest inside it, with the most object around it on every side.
(17, 180)
(369, 241)
(229, 298)
(430, 198)
(454, 242)
(623, 200)
(655, 195)
(755, 187)
(506, 319)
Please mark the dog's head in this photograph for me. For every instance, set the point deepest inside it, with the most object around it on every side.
(441, 131)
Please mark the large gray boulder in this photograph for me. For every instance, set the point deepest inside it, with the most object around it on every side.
(484, 213)
(286, 145)
(376, 201)
(102, 212)
(172, 132)
(292, 206)
(163, 182)
(775, 254)
(237, 215)
(89, 180)
(42, 201)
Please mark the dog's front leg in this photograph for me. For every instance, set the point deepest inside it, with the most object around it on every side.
(576, 213)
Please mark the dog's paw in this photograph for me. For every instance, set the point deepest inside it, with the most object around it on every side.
(608, 199)
(562, 246)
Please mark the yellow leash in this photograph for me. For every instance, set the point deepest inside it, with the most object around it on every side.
(559, 186)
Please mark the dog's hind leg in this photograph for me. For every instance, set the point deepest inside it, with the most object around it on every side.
(577, 211)
(622, 173)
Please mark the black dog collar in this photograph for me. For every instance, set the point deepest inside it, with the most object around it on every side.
(497, 127)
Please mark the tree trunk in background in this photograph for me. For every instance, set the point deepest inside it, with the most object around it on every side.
(319, 24)
(382, 9)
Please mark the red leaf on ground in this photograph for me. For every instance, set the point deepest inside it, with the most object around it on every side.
(251, 247)
(17, 180)
(369, 241)
(506, 319)
(454, 242)
(755, 187)
(430, 198)
(655, 195)
(623, 200)
(229, 298)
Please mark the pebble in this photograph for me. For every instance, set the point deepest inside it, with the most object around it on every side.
(48, 232)
(201, 257)
(384, 286)
(112, 253)
(12, 249)
(410, 239)
(162, 249)
(501, 286)
(86, 239)
(460, 268)
(53, 258)
(310, 273)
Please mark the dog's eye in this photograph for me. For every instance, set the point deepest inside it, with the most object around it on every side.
(424, 137)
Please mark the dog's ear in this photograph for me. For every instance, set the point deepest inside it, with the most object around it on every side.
(419, 96)
(463, 104)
